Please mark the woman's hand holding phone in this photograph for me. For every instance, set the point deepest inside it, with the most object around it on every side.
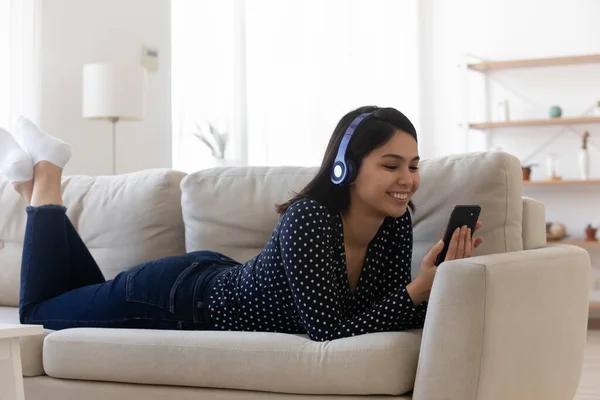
(461, 246)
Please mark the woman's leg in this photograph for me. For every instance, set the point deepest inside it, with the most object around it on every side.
(55, 259)
(159, 294)
(85, 270)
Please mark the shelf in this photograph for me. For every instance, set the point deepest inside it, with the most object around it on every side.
(563, 182)
(576, 242)
(536, 122)
(536, 62)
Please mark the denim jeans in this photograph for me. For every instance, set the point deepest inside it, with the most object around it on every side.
(62, 286)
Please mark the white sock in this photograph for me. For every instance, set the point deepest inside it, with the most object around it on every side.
(15, 163)
(41, 146)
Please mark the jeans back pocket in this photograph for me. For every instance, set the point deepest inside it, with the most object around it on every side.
(156, 282)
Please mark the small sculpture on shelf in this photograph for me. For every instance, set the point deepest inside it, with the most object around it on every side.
(555, 112)
(590, 233)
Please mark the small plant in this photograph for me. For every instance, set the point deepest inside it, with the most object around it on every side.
(526, 169)
(213, 139)
(590, 233)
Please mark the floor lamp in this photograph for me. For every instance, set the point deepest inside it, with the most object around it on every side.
(114, 92)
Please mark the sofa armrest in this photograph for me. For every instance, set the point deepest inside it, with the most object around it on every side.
(506, 326)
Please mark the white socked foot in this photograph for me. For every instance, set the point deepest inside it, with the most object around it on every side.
(40, 145)
(15, 163)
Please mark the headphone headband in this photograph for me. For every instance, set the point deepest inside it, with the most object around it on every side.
(342, 170)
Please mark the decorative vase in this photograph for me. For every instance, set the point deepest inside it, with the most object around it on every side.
(584, 158)
(584, 164)
(555, 112)
(503, 111)
(552, 164)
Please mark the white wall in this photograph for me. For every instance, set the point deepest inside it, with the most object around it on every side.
(75, 32)
(515, 29)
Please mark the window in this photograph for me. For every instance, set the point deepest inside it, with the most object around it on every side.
(277, 75)
(18, 60)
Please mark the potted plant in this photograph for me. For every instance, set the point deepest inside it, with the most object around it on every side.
(590, 233)
(215, 140)
(526, 169)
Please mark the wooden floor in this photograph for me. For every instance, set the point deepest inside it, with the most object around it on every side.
(589, 387)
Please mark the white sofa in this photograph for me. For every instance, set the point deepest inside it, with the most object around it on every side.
(508, 323)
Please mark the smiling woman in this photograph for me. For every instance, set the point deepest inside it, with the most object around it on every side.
(337, 264)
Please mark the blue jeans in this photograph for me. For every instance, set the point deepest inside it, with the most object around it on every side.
(62, 286)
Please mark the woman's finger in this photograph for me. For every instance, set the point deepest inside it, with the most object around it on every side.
(468, 244)
(478, 225)
(478, 240)
(451, 253)
(460, 249)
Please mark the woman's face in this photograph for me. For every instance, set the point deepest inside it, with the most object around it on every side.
(388, 177)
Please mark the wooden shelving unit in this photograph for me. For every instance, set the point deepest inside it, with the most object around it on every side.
(563, 182)
(487, 127)
(535, 63)
(536, 122)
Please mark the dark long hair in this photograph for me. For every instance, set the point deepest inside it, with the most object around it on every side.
(373, 132)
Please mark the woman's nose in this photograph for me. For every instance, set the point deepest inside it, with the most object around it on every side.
(405, 177)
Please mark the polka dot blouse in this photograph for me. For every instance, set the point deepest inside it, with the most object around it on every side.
(299, 282)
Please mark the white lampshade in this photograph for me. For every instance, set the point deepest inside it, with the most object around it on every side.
(113, 90)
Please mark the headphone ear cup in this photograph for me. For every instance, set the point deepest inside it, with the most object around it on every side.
(351, 174)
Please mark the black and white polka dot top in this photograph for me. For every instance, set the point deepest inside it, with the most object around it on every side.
(299, 282)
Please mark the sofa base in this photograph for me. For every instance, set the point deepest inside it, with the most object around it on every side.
(47, 388)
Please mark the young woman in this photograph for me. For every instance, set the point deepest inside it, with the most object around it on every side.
(337, 264)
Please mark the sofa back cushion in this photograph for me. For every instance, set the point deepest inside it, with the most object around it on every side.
(124, 220)
(231, 210)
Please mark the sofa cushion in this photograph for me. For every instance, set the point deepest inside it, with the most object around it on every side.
(124, 220)
(31, 346)
(378, 363)
(232, 210)
(534, 224)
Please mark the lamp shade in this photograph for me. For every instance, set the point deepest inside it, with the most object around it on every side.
(113, 90)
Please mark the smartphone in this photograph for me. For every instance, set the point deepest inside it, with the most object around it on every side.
(461, 215)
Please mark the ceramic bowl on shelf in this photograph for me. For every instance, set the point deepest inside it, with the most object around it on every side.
(555, 238)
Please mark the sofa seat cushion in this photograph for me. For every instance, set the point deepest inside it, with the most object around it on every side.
(31, 346)
(376, 363)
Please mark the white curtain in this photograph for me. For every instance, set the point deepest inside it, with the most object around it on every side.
(277, 75)
(18, 60)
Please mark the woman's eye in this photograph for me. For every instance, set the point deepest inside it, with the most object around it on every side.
(414, 168)
(390, 167)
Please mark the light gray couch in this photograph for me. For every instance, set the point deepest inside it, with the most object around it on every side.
(509, 323)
